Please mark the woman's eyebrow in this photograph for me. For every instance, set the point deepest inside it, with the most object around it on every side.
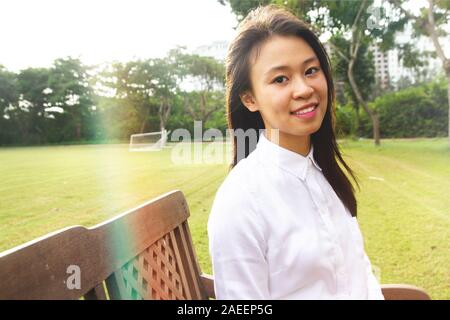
(280, 68)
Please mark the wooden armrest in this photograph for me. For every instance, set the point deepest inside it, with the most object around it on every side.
(403, 292)
(208, 284)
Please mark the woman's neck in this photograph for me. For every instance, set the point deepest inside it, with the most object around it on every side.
(297, 144)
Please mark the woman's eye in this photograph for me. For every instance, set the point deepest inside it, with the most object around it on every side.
(279, 79)
(312, 70)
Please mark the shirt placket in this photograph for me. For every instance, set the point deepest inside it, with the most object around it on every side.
(321, 204)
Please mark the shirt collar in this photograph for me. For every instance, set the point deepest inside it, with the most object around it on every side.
(285, 159)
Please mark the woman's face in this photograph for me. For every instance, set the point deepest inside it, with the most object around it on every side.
(289, 88)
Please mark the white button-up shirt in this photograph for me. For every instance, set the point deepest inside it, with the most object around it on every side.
(277, 230)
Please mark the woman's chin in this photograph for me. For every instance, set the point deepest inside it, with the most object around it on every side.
(303, 129)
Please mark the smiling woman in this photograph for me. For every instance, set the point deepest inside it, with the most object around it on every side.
(290, 96)
(283, 223)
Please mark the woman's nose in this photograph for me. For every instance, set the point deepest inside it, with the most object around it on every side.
(301, 89)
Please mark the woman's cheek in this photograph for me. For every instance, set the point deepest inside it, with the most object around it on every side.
(322, 87)
(279, 102)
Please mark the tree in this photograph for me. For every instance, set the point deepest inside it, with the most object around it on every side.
(431, 22)
(165, 86)
(128, 95)
(69, 89)
(29, 113)
(203, 105)
(146, 86)
(48, 104)
(9, 97)
(364, 73)
(207, 75)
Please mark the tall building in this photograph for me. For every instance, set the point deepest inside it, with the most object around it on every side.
(386, 66)
(217, 50)
(389, 67)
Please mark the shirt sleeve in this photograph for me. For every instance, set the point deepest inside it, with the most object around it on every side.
(372, 282)
(237, 248)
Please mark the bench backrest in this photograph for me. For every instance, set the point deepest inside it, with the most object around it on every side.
(144, 253)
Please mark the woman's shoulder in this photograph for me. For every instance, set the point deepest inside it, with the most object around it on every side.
(236, 194)
(235, 209)
(243, 177)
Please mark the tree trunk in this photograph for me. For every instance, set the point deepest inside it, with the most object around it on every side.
(189, 108)
(357, 122)
(431, 29)
(77, 119)
(23, 131)
(448, 97)
(144, 121)
(162, 123)
(209, 113)
(164, 112)
(202, 104)
(372, 115)
(78, 133)
(446, 64)
(354, 48)
(376, 128)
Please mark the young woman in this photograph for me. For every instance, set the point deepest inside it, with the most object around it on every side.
(283, 223)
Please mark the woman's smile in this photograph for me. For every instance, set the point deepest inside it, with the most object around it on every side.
(307, 111)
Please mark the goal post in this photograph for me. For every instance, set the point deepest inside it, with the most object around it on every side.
(150, 141)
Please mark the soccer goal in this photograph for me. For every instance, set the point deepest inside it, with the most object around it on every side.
(151, 141)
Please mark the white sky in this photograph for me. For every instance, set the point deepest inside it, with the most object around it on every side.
(35, 32)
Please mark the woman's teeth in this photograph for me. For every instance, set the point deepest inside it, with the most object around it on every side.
(303, 111)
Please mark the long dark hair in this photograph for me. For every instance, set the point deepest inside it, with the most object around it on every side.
(260, 24)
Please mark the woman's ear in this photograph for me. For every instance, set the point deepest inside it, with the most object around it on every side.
(249, 101)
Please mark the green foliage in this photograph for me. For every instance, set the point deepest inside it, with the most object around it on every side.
(59, 104)
(242, 7)
(68, 81)
(207, 97)
(345, 120)
(9, 95)
(420, 111)
(46, 105)
(145, 88)
(364, 70)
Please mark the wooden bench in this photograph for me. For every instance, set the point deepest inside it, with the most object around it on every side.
(144, 253)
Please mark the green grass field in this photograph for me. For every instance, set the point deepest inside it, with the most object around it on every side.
(404, 201)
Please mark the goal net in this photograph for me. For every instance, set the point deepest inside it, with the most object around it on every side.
(152, 141)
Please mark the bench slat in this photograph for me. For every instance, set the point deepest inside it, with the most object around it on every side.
(96, 293)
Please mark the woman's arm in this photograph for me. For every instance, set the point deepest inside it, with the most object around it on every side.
(237, 248)
(372, 282)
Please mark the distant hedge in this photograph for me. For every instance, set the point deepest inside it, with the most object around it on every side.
(420, 111)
